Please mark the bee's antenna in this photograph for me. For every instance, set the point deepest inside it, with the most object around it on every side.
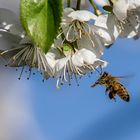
(101, 70)
(97, 71)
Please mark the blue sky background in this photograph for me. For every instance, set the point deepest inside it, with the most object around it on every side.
(83, 113)
(78, 113)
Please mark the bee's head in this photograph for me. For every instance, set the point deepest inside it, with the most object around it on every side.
(104, 75)
(101, 80)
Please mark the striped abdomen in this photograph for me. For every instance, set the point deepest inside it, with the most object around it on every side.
(121, 91)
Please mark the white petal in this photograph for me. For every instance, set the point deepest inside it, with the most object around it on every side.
(112, 25)
(90, 43)
(59, 66)
(133, 4)
(9, 18)
(17, 30)
(120, 8)
(101, 21)
(88, 56)
(132, 26)
(67, 11)
(55, 53)
(8, 40)
(67, 20)
(104, 34)
(82, 15)
(77, 59)
(107, 28)
(51, 60)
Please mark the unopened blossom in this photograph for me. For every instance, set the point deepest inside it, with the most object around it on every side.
(127, 13)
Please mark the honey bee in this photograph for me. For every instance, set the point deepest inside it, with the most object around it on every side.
(113, 86)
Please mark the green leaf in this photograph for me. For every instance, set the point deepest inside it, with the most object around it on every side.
(41, 20)
(108, 8)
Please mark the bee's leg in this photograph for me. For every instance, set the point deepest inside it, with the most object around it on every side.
(110, 95)
(107, 90)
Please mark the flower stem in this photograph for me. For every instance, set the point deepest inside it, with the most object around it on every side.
(96, 9)
(93, 5)
(68, 3)
(78, 4)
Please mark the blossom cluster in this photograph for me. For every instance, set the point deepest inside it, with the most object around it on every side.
(79, 46)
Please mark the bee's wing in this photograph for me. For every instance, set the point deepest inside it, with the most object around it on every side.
(125, 80)
(123, 77)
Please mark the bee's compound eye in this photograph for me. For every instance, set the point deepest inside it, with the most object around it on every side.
(105, 73)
